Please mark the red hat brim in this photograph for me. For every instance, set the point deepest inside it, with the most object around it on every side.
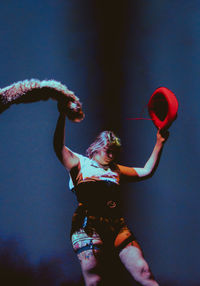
(163, 107)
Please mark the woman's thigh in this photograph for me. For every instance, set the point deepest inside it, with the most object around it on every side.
(88, 250)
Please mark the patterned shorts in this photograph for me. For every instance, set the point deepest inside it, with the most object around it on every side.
(100, 232)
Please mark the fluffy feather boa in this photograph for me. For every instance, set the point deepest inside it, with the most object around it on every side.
(34, 90)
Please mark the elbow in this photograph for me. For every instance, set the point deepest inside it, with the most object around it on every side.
(144, 173)
(55, 147)
(150, 173)
(57, 144)
(58, 150)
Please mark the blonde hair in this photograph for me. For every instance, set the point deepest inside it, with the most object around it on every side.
(106, 139)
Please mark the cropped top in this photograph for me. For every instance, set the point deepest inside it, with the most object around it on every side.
(91, 171)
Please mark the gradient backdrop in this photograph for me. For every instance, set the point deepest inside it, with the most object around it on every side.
(113, 56)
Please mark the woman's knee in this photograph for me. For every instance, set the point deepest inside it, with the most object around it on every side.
(135, 263)
(93, 280)
(142, 273)
(142, 270)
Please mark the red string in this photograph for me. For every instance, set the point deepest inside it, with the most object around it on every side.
(142, 113)
(139, 118)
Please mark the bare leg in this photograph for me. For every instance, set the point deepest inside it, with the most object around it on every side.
(90, 267)
(132, 258)
(90, 257)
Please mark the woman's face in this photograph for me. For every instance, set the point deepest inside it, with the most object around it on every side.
(105, 156)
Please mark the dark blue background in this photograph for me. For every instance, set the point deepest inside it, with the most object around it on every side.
(113, 56)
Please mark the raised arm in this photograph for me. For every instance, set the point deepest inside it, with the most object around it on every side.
(136, 174)
(64, 154)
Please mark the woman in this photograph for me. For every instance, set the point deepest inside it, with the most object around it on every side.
(97, 225)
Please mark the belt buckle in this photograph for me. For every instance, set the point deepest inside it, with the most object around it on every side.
(111, 204)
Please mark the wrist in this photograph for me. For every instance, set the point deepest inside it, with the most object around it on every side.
(61, 109)
(159, 144)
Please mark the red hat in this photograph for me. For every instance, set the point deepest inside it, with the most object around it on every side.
(163, 107)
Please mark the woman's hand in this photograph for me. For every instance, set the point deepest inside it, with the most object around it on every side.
(71, 108)
(162, 136)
